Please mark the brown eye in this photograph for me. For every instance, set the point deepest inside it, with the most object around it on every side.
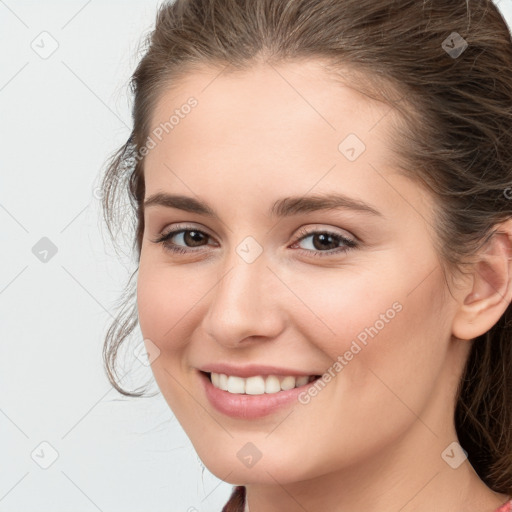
(192, 238)
(183, 240)
(324, 243)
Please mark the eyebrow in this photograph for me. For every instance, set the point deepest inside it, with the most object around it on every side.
(284, 207)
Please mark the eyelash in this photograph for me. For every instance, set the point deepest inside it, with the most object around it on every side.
(303, 233)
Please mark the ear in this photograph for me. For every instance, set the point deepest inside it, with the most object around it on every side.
(489, 293)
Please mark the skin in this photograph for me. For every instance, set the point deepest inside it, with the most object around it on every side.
(372, 439)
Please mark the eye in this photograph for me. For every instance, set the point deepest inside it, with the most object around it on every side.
(189, 237)
(325, 242)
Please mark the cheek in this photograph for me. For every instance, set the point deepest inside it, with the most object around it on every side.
(385, 336)
(345, 308)
(167, 307)
(373, 316)
(166, 299)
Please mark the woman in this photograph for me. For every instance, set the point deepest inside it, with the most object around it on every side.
(323, 229)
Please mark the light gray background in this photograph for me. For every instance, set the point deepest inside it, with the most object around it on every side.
(61, 115)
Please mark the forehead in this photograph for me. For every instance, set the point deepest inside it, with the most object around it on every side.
(300, 95)
(269, 130)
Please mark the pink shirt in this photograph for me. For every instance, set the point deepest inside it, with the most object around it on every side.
(506, 507)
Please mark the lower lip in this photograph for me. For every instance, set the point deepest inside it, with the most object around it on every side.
(250, 406)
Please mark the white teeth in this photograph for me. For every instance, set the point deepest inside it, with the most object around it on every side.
(272, 384)
(254, 385)
(301, 381)
(223, 382)
(257, 385)
(236, 384)
(288, 383)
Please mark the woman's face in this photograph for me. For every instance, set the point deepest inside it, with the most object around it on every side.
(265, 277)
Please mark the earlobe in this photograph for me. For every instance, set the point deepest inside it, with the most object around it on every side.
(490, 292)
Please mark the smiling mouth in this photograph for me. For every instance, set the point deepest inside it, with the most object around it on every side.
(258, 384)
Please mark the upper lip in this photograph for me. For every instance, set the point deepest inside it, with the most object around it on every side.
(252, 370)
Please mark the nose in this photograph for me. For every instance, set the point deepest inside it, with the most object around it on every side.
(246, 303)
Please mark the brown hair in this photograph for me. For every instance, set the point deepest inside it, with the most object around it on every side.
(454, 137)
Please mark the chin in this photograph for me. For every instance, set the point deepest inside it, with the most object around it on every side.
(231, 468)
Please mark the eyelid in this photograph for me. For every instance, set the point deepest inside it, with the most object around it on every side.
(183, 226)
(303, 232)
